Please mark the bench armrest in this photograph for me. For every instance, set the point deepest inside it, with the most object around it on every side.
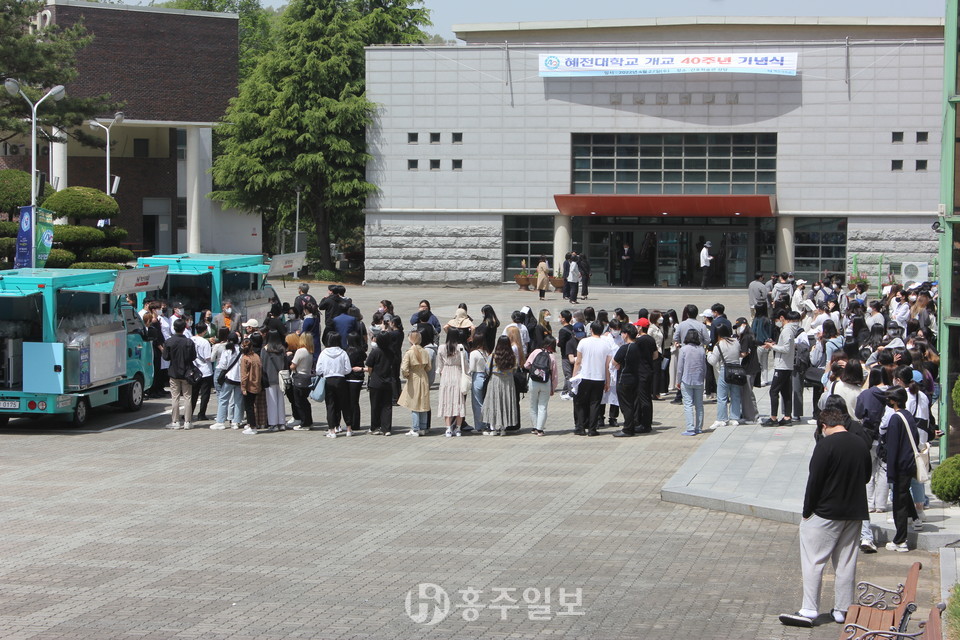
(877, 597)
(886, 635)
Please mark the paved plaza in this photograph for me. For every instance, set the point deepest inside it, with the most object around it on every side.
(128, 530)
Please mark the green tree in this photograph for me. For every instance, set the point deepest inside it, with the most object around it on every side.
(300, 117)
(40, 60)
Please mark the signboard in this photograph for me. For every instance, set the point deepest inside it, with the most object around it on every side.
(135, 280)
(24, 239)
(569, 65)
(27, 243)
(287, 263)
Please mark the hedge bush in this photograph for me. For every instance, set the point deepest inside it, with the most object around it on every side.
(77, 236)
(945, 481)
(9, 229)
(82, 202)
(955, 396)
(15, 190)
(98, 265)
(115, 235)
(7, 248)
(108, 254)
(60, 259)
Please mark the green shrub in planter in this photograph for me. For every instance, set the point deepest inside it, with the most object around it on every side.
(115, 235)
(77, 236)
(955, 396)
(98, 265)
(9, 229)
(108, 254)
(15, 190)
(945, 481)
(60, 259)
(82, 202)
(7, 248)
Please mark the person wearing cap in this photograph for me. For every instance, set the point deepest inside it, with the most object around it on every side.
(705, 260)
(799, 294)
(461, 324)
(250, 327)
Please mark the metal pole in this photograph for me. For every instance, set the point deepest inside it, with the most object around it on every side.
(107, 190)
(296, 230)
(33, 183)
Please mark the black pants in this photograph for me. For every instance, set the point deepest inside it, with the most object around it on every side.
(586, 406)
(292, 399)
(903, 507)
(705, 278)
(645, 405)
(781, 388)
(381, 409)
(352, 418)
(249, 404)
(626, 272)
(584, 286)
(710, 383)
(301, 398)
(201, 390)
(337, 399)
(574, 288)
(627, 395)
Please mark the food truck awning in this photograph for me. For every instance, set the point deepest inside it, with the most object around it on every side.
(259, 269)
(104, 288)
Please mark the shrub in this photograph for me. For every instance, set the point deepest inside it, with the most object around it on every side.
(945, 481)
(7, 248)
(115, 235)
(108, 254)
(77, 236)
(9, 229)
(60, 259)
(98, 265)
(326, 275)
(15, 190)
(82, 202)
(952, 614)
(955, 396)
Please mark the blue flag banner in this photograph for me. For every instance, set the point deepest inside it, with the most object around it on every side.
(24, 237)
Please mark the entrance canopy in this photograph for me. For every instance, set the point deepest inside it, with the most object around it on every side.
(679, 206)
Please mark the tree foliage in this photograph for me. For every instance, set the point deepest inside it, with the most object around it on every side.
(15, 190)
(300, 117)
(82, 202)
(40, 61)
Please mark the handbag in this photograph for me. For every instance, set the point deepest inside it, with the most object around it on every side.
(301, 380)
(193, 375)
(813, 376)
(733, 372)
(283, 380)
(222, 376)
(466, 381)
(264, 379)
(486, 380)
(318, 393)
(520, 380)
(920, 456)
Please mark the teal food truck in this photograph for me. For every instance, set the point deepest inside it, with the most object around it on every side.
(70, 342)
(204, 280)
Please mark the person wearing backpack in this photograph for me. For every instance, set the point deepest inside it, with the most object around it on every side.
(544, 374)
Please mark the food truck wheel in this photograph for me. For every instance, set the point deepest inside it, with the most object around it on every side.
(4, 420)
(80, 412)
(131, 396)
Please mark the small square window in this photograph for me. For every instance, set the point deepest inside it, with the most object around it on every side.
(413, 165)
(896, 165)
(141, 147)
(435, 164)
(897, 136)
(456, 165)
(922, 137)
(413, 138)
(435, 137)
(456, 138)
(921, 165)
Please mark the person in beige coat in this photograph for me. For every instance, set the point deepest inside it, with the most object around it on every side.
(543, 276)
(416, 393)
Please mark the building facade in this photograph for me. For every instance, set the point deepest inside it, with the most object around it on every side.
(792, 144)
(174, 71)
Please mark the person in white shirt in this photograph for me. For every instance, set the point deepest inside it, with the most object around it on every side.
(799, 295)
(203, 361)
(592, 369)
(705, 260)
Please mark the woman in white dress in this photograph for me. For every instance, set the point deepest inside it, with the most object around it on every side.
(451, 365)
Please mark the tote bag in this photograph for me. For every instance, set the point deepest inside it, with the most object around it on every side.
(318, 393)
(920, 456)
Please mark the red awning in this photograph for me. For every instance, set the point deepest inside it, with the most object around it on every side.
(701, 206)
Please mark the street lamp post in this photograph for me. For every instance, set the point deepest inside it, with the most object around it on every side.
(96, 124)
(57, 93)
(296, 230)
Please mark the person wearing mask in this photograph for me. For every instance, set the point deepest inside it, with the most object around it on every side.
(251, 375)
(756, 292)
(155, 336)
(417, 318)
(228, 317)
(273, 360)
(292, 343)
(901, 465)
(452, 364)
(415, 396)
(799, 295)
(201, 390)
(691, 376)
(782, 290)
(180, 352)
(311, 325)
(781, 388)
(518, 319)
(301, 368)
(380, 389)
(334, 365)
(544, 375)
(584, 263)
(762, 328)
(357, 354)
(592, 368)
(705, 260)
(573, 279)
(543, 276)
(726, 351)
(900, 310)
(749, 348)
(541, 330)
(229, 398)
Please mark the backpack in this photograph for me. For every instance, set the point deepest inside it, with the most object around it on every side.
(801, 357)
(540, 367)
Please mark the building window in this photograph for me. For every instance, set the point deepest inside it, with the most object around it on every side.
(181, 213)
(181, 144)
(413, 138)
(526, 238)
(435, 137)
(896, 165)
(897, 137)
(456, 165)
(413, 165)
(456, 138)
(141, 147)
(820, 247)
(435, 164)
(921, 165)
(674, 163)
(922, 137)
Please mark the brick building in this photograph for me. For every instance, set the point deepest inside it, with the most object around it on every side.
(175, 72)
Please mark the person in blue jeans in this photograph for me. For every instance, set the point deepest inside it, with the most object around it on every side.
(725, 352)
(229, 398)
(691, 376)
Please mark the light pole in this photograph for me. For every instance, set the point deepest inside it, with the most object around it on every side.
(296, 230)
(96, 124)
(13, 88)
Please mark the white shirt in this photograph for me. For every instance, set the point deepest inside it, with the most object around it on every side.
(524, 334)
(226, 359)
(705, 257)
(204, 351)
(593, 353)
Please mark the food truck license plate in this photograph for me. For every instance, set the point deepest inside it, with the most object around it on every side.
(9, 404)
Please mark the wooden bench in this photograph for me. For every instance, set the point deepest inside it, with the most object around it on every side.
(932, 629)
(875, 610)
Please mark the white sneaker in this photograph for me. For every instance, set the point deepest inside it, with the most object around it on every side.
(234, 425)
(218, 426)
(457, 433)
(733, 423)
(867, 546)
(415, 434)
(448, 433)
(900, 548)
(718, 424)
(188, 425)
(300, 427)
(838, 616)
(249, 432)
(331, 434)
(917, 524)
(173, 425)
(292, 423)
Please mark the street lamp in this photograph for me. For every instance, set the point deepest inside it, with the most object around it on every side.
(57, 93)
(96, 124)
(296, 231)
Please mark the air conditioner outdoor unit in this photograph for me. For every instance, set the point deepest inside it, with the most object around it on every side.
(914, 272)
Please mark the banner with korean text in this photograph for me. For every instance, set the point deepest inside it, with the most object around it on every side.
(566, 65)
(27, 245)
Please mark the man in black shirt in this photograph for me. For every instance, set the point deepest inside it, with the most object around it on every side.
(301, 300)
(834, 505)
(627, 361)
(637, 374)
(180, 352)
